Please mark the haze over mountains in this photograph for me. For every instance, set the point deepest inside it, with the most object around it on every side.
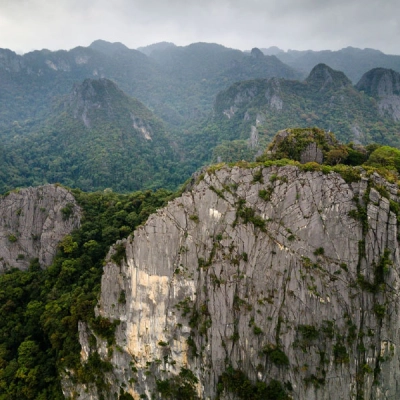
(257, 109)
(211, 103)
(178, 86)
(352, 61)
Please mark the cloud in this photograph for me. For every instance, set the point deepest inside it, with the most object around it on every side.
(315, 24)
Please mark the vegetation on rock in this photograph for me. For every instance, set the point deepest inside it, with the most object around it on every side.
(40, 309)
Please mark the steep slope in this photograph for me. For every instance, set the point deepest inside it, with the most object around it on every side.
(32, 223)
(40, 307)
(203, 69)
(179, 84)
(254, 111)
(352, 61)
(97, 138)
(259, 283)
(30, 82)
(212, 61)
(384, 85)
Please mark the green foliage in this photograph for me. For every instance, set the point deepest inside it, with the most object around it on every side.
(257, 330)
(340, 353)
(308, 335)
(319, 252)
(258, 176)
(67, 211)
(305, 106)
(328, 329)
(385, 156)
(119, 253)
(349, 174)
(104, 328)
(124, 396)
(266, 194)
(360, 214)
(179, 387)
(276, 355)
(235, 381)
(12, 238)
(40, 309)
(380, 310)
(122, 297)
(248, 215)
(232, 151)
(367, 369)
(297, 140)
(119, 144)
(194, 218)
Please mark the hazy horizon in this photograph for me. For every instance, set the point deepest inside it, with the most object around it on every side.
(288, 24)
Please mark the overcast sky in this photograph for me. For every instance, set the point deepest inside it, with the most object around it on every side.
(27, 25)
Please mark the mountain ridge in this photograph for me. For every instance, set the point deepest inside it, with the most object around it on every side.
(96, 138)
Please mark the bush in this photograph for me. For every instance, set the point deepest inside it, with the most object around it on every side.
(385, 156)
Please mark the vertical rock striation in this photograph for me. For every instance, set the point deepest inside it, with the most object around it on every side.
(32, 222)
(271, 275)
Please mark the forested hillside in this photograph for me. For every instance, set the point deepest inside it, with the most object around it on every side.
(45, 312)
(96, 138)
(40, 309)
(178, 87)
(352, 61)
(248, 114)
(212, 104)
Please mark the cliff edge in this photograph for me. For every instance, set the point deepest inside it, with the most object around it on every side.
(259, 283)
(32, 222)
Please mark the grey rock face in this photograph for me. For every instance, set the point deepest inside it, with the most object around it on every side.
(252, 264)
(384, 84)
(273, 94)
(324, 77)
(312, 153)
(32, 223)
(390, 105)
(380, 82)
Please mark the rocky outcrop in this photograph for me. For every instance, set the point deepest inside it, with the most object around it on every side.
(91, 95)
(273, 94)
(383, 84)
(32, 222)
(323, 78)
(380, 82)
(302, 144)
(270, 275)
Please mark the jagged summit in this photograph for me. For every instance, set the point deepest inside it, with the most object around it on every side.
(324, 77)
(380, 82)
(95, 95)
(101, 138)
(384, 85)
(256, 53)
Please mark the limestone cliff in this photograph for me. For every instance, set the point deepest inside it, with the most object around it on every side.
(265, 283)
(32, 222)
(383, 84)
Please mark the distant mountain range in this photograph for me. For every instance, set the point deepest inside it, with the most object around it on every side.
(352, 61)
(68, 116)
(248, 114)
(178, 83)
